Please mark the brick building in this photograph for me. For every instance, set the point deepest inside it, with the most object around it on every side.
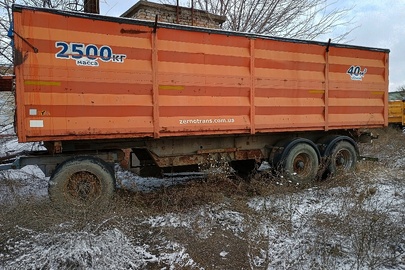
(145, 10)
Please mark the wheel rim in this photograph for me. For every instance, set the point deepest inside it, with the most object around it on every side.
(302, 165)
(343, 160)
(83, 187)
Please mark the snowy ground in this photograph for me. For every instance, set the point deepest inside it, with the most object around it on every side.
(352, 222)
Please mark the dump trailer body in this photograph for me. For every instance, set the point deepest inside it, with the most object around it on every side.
(82, 76)
(396, 112)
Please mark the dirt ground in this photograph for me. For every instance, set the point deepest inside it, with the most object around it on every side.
(354, 221)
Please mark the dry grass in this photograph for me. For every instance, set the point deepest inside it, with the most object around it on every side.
(388, 147)
(263, 223)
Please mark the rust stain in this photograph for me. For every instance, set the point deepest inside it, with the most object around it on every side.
(132, 31)
(249, 154)
(211, 151)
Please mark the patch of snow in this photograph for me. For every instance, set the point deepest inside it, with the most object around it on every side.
(131, 181)
(79, 250)
(28, 182)
(399, 163)
(174, 255)
(169, 220)
(223, 254)
(12, 146)
(7, 130)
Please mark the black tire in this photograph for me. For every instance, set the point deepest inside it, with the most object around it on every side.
(342, 158)
(301, 164)
(82, 183)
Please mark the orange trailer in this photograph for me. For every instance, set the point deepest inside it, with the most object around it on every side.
(396, 112)
(175, 95)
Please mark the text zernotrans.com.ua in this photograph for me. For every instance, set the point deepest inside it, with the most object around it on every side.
(206, 121)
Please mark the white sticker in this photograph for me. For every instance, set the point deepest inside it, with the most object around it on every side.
(37, 123)
(355, 73)
(33, 111)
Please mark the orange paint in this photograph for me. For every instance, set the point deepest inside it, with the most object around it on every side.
(183, 81)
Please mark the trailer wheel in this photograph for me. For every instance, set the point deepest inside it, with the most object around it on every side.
(343, 158)
(301, 164)
(82, 183)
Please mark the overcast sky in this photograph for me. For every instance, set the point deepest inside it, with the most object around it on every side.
(381, 24)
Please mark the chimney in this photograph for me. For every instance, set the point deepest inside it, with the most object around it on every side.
(92, 6)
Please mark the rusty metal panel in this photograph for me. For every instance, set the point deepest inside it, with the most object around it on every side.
(93, 77)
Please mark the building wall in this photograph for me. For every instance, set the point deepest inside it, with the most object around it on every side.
(169, 15)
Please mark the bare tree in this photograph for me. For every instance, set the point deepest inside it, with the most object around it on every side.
(398, 94)
(401, 89)
(5, 46)
(301, 19)
(57, 4)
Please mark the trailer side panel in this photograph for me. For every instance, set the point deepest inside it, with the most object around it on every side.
(88, 77)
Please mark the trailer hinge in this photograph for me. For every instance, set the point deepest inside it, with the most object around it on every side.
(328, 45)
(155, 25)
(35, 49)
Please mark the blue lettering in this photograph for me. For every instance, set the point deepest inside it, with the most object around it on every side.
(87, 55)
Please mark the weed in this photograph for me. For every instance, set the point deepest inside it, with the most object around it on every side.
(353, 220)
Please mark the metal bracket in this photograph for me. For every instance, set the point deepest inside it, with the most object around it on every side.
(156, 23)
